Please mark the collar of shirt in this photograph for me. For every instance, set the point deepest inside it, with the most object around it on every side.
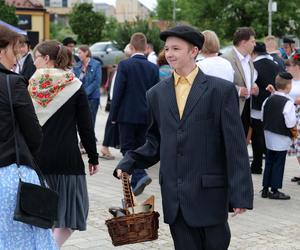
(241, 57)
(190, 77)
(135, 54)
(283, 94)
(267, 56)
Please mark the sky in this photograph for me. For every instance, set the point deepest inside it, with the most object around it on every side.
(151, 4)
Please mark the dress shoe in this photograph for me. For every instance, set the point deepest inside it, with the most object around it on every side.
(141, 184)
(265, 193)
(295, 179)
(279, 196)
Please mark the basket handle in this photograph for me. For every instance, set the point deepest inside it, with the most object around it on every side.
(127, 192)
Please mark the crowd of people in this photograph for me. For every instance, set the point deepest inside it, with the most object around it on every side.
(197, 119)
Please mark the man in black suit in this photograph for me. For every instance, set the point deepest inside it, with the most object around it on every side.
(25, 65)
(129, 109)
(267, 71)
(197, 135)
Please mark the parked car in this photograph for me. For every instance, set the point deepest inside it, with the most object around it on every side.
(106, 53)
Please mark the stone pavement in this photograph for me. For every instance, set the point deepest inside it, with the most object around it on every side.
(271, 225)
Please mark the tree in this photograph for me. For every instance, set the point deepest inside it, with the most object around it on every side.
(225, 16)
(8, 13)
(125, 30)
(86, 23)
(109, 28)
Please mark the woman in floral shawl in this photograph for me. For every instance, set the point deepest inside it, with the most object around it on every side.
(62, 108)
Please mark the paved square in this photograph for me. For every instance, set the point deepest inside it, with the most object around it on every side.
(272, 225)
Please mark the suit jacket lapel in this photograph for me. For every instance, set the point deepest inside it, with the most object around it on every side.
(239, 65)
(171, 98)
(198, 89)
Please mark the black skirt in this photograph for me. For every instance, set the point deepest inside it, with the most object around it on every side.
(111, 134)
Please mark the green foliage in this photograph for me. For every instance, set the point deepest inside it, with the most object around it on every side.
(8, 13)
(224, 16)
(60, 31)
(86, 23)
(109, 28)
(125, 30)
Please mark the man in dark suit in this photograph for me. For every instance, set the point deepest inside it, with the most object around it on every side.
(25, 65)
(135, 76)
(267, 71)
(197, 134)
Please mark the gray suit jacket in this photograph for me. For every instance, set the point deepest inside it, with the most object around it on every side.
(239, 75)
(204, 165)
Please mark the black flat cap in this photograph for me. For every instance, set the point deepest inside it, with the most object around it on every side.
(68, 40)
(285, 75)
(186, 33)
(288, 40)
(260, 48)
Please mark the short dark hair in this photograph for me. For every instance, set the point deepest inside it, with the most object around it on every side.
(281, 82)
(242, 33)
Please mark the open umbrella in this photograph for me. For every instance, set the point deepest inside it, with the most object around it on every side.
(22, 32)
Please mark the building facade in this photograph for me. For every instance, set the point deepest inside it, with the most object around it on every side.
(131, 10)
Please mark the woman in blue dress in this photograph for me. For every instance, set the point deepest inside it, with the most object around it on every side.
(14, 234)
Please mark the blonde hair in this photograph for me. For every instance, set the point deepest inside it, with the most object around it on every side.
(211, 42)
(271, 40)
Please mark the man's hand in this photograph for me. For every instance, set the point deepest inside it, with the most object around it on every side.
(93, 169)
(254, 89)
(270, 88)
(119, 173)
(237, 211)
(244, 92)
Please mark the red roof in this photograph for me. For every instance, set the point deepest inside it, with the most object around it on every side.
(32, 4)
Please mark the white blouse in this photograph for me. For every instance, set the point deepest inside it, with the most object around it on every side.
(218, 67)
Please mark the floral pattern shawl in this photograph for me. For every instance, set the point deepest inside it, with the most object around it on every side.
(51, 88)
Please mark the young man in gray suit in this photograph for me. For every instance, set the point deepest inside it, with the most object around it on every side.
(245, 75)
(197, 135)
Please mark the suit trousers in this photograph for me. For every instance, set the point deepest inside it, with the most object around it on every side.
(201, 238)
(274, 169)
(246, 116)
(258, 144)
(133, 136)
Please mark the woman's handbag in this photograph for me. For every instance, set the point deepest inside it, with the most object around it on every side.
(36, 205)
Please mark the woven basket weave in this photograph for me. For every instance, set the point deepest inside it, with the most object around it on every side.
(132, 228)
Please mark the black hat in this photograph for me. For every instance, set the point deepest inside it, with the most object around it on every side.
(285, 75)
(68, 40)
(288, 40)
(260, 48)
(186, 33)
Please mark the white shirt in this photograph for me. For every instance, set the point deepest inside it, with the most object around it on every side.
(218, 67)
(20, 64)
(295, 91)
(279, 142)
(256, 114)
(152, 57)
(246, 68)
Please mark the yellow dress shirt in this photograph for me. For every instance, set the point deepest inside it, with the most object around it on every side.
(183, 86)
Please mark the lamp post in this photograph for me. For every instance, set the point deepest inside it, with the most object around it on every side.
(272, 7)
(174, 11)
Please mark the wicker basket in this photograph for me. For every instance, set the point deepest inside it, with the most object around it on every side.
(132, 228)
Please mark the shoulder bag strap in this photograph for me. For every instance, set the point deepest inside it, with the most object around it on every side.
(38, 171)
